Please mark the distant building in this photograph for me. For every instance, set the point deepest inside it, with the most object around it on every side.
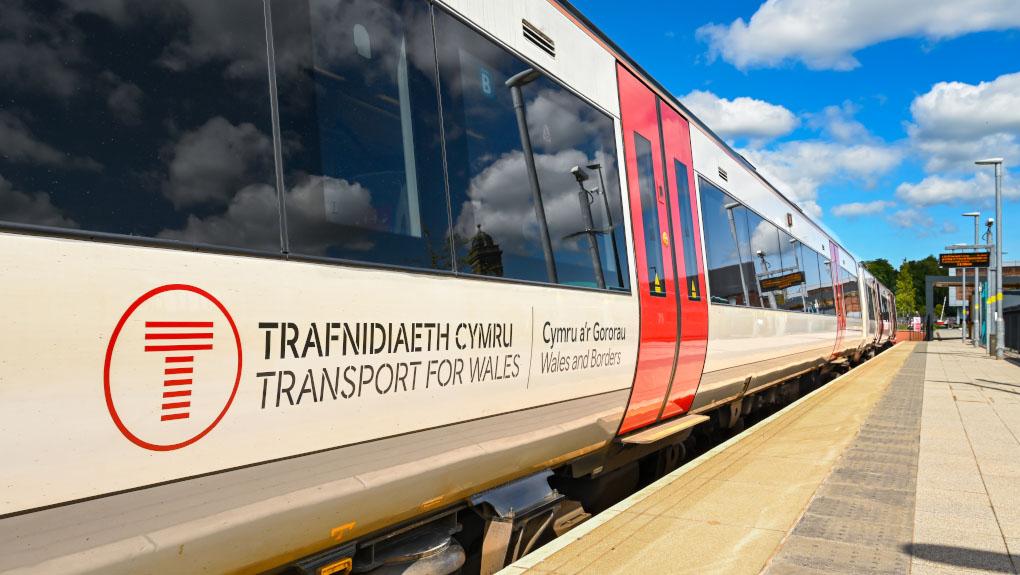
(485, 257)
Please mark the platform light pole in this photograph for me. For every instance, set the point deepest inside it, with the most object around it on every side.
(988, 317)
(1000, 327)
(973, 316)
(515, 83)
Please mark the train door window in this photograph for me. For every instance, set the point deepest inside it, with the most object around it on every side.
(728, 274)
(768, 264)
(153, 122)
(556, 160)
(650, 215)
(359, 117)
(687, 231)
(827, 296)
(792, 277)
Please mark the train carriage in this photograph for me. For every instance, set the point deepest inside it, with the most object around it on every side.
(331, 285)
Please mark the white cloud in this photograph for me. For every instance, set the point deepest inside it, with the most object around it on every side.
(38, 55)
(977, 191)
(960, 111)
(17, 206)
(741, 117)
(18, 144)
(912, 218)
(314, 208)
(838, 123)
(800, 168)
(956, 123)
(251, 220)
(854, 209)
(499, 200)
(920, 223)
(214, 161)
(125, 99)
(959, 156)
(825, 35)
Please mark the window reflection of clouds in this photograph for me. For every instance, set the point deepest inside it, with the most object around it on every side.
(213, 161)
(151, 119)
(36, 208)
(489, 184)
(135, 117)
(18, 145)
(359, 117)
(338, 47)
(724, 224)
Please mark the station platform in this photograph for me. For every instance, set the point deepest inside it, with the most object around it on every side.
(909, 463)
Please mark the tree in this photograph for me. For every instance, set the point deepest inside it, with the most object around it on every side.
(918, 269)
(883, 271)
(906, 303)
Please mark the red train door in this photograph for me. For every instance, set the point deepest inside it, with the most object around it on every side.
(693, 305)
(656, 150)
(656, 285)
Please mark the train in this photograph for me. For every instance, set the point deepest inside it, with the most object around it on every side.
(373, 286)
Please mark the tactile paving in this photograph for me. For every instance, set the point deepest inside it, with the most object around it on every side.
(862, 516)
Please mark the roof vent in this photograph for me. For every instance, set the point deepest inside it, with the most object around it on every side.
(539, 38)
(723, 175)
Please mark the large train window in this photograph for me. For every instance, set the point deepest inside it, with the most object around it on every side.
(360, 117)
(826, 294)
(792, 278)
(150, 122)
(687, 231)
(768, 262)
(727, 272)
(851, 294)
(814, 288)
(740, 216)
(534, 188)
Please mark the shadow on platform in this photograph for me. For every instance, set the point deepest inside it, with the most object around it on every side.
(991, 561)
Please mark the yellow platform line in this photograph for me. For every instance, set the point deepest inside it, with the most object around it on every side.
(728, 510)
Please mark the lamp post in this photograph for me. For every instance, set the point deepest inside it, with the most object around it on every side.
(976, 306)
(1000, 327)
(740, 260)
(515, 83)
(609, 223)
(585, 199)
(990, 281)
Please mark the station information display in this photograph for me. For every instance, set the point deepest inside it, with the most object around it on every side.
(782, 282)
(965, 260)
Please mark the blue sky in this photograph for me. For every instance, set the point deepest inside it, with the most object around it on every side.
(869, 113)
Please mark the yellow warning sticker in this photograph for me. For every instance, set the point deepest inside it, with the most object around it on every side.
(665, 239)
(341, 532)
(657, 286)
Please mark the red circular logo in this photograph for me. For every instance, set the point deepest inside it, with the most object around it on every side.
(172, 367)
